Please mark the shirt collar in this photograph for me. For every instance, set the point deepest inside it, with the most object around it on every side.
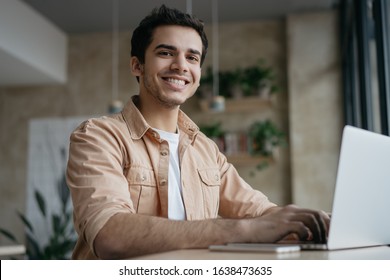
(138, 126)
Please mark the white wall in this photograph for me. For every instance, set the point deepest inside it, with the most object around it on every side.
(32, 50)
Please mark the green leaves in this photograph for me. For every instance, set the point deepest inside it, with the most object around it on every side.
(25, 221)
(9, 235)
(62, 237)
(41, 202)
(249, 79)
(212, 130)
(265, 136)
(63, 191)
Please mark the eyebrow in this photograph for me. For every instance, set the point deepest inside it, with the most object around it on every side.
(173, 48)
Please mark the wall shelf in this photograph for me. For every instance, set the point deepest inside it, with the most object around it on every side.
(245, 104)
(247, 159)
(236, 155)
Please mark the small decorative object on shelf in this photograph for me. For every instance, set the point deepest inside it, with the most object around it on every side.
(217, 104)
(236, 143)
(115, 106)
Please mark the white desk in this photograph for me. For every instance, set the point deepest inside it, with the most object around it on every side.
(11, 250)
(372, 253)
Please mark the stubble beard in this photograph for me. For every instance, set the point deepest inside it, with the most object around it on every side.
(157, 94)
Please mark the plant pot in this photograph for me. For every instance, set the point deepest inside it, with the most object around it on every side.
(237, 92)
(264, 92)
(217, 104)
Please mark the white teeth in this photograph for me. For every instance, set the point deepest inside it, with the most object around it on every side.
(177, 82)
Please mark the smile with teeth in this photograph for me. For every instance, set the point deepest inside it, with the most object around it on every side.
(176, 81)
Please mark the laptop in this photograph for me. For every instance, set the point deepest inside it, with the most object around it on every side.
(361, 202)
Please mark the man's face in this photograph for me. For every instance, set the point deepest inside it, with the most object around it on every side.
(171, 72)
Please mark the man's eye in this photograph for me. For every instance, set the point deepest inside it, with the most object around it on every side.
(193, 58)
(165, 53)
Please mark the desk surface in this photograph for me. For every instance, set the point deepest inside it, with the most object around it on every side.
(12, 250)
(372, 253)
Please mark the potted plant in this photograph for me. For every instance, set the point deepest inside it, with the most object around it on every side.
(229, 83)
(265, 137)
(258, 80)
(62, 237)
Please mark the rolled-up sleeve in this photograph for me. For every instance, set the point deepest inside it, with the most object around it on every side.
(237, 198)
(95, 178)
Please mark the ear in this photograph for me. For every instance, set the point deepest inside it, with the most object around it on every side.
(136, 66)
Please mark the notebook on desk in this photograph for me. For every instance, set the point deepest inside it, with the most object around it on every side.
(361, 202)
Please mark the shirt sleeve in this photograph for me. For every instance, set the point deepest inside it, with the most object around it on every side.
(95, 178)
(237, 198)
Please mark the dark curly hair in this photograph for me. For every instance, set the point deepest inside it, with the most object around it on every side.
(143, 34)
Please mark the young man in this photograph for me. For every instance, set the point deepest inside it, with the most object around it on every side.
(146, 180)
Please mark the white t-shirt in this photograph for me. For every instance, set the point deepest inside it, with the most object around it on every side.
(176, 209)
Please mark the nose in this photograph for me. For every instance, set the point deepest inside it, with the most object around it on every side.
(180, 64)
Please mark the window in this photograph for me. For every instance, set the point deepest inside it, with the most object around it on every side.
(365, 61)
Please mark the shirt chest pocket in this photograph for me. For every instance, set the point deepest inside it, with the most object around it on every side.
(211, 181)
(143, 190)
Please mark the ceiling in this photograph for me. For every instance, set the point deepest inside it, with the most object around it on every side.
(29, 45)
(82, 16)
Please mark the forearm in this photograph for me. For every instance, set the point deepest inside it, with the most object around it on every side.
(129, 235)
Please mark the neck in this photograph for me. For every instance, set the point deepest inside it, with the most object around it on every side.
(158, 116)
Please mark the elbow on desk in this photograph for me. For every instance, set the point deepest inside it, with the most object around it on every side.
(108, 248)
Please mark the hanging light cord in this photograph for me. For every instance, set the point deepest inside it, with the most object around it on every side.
(215, 60)
(114, 50)
(189, 7)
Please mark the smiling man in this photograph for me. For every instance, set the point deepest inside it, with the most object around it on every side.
(169, 75)
(146, 180)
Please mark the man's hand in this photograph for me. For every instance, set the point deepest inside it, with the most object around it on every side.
(290, 222)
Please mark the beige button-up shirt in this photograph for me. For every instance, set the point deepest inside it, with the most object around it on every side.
(120, 164)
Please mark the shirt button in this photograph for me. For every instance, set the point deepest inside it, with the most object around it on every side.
(216, 177)
(143, 178)
(163, 182)
(164, 153)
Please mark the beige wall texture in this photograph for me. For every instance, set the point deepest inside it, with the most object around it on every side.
(307, 107)
(315, 107)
